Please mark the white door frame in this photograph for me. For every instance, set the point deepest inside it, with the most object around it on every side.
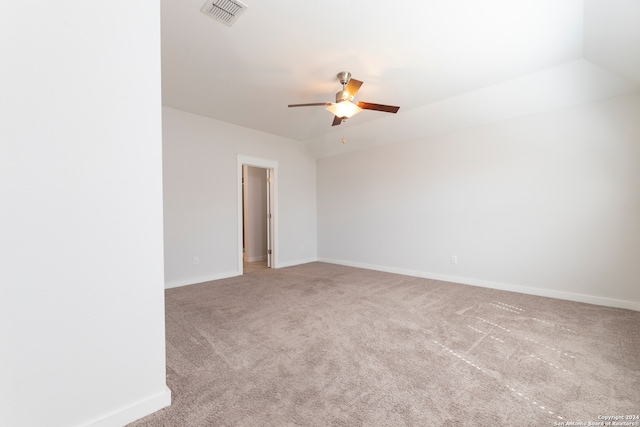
(272, 165)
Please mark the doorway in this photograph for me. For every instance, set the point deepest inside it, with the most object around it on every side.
(257, 214)
(255, 218)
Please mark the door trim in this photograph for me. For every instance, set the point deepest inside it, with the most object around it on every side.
(264, 164)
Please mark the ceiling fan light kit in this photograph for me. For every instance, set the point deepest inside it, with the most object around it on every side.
(344, 107)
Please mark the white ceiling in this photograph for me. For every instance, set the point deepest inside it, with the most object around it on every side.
(447, 64)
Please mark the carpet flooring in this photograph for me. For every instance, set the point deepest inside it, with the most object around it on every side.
(327, 345)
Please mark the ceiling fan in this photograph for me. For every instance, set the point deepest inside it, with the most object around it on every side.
(344, 108)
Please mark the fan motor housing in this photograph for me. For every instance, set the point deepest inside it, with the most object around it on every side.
(343, 96)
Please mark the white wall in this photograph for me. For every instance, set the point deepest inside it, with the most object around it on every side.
(201, 196)
(255, 214)
(612, 36)
(81, 252)
(545, 204)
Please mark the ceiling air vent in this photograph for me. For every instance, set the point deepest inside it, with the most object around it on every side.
(226, 11)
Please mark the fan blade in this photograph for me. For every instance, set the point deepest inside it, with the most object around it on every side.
(378, 107)
(353, 87)
(309, 105)
(336, 121)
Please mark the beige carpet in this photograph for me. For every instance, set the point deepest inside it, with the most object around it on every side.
(327, 345)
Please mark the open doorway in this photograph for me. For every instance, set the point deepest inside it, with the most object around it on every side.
(255, 218)
(257, 213)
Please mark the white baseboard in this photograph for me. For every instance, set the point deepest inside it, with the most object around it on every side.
(134, 411)
(256, 258)
(296, 262)
(589, 299)
(199, 279)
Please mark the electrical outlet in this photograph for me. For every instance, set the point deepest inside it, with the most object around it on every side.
(196, 260)
(454, 259)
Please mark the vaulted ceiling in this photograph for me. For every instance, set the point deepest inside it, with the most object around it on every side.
(447, 64)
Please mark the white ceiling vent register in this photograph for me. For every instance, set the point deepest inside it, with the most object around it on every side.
(226, 11)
